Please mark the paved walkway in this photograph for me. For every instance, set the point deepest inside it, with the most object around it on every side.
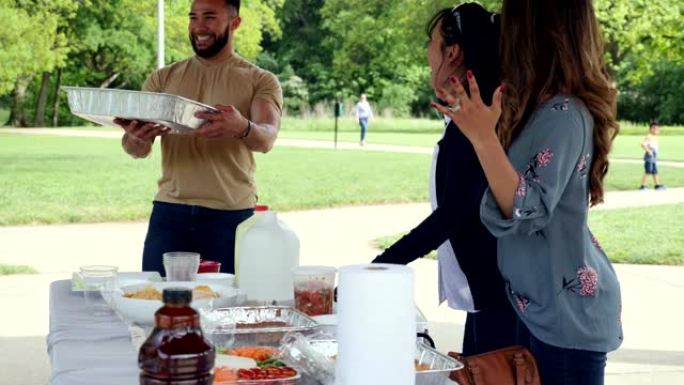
(653, 352)
(299, 143)
(653, 311)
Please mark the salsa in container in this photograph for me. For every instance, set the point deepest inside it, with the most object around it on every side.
(314, 289)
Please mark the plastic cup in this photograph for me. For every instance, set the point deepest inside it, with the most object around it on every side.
(181, 265)
(313, 289)
(98, 283)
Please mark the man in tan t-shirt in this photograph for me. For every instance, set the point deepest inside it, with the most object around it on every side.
(207, 183)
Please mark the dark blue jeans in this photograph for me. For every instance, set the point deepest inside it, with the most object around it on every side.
(559, 366)
(177, 227)
(490, 329)
(363, 123)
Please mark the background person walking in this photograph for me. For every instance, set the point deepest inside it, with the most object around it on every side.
(650, 146)
(364, 113)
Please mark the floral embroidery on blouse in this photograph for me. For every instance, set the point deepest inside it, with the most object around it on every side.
(584, 284)
(543, 158)
(522, 302)
(563, 106)
(582, 165)
(521, 191)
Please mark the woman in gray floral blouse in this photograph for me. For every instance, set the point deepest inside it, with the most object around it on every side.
(544, 170)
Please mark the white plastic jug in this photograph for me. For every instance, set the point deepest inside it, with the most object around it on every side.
(266, 250)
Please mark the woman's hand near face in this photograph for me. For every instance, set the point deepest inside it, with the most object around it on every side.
(478, 121)
(475, 119)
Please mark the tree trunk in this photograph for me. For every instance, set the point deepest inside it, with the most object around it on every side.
(109, 80)
(17, 117)
(55, 106)
(42, 100)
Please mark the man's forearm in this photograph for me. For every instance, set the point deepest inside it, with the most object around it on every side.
(261, 137)
(135, 147)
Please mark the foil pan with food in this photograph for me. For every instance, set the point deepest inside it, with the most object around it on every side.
(315, 359)
(254, 326)
(103, 105)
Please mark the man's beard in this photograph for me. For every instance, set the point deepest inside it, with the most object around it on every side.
(220, 42)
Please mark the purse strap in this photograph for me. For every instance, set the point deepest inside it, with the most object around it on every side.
(520, 370)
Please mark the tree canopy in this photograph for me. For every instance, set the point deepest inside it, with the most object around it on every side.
(322, 50)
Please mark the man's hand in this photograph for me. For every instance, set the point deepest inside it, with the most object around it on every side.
(227, 122)
(139, 136)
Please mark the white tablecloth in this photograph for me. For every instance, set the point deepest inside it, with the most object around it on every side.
(86, 349)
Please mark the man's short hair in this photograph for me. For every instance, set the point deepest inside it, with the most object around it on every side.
(234, 3)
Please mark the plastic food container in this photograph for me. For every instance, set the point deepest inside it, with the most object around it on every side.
(432, 367)
(260, 326)
(102, 105)
(314, 289)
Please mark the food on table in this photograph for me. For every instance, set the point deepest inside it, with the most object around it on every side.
(266, 373)
(225, 375)
(258, 353)
(204, 292)
(314, 299)
(234, 362)
(149, 292)
(245, 363)
(261, 325)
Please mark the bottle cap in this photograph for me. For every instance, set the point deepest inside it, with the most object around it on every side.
(261, 208)
(177, 296)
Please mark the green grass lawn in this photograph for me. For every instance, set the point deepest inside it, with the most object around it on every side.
(46, 179)
(426, 132)
(629, 146)
(16, 269)
(50, 179)
(642, 235)
(623, 176)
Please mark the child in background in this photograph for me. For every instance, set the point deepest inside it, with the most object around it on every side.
(650, 146)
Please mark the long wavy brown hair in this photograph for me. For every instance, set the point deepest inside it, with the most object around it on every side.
(551, 47)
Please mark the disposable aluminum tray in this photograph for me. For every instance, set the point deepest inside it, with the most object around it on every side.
(102, 105)
(437, 365)
(259, 325)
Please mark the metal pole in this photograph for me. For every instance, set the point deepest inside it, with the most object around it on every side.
(160, 33)
(337, 115)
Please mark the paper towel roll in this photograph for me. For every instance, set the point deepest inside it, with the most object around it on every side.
(376, 329)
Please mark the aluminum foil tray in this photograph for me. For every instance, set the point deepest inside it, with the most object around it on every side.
(437, 365)
(259, 325)
(102, 105)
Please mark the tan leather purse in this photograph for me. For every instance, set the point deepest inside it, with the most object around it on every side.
(513, 365)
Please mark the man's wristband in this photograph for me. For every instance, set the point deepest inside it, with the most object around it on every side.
(247, 130)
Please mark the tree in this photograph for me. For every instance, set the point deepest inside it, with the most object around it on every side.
(379, 47)
(26, 50)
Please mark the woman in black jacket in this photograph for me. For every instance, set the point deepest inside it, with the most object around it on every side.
(462, 39)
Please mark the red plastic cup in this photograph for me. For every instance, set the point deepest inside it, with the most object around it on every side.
(206, 266)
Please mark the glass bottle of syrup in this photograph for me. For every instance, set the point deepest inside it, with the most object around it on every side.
(176, 353)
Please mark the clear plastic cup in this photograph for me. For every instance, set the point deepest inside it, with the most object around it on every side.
(181, 265)
(99, 282)
(314, 289)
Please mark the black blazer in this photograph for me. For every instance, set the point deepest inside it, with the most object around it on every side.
(460, 184)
